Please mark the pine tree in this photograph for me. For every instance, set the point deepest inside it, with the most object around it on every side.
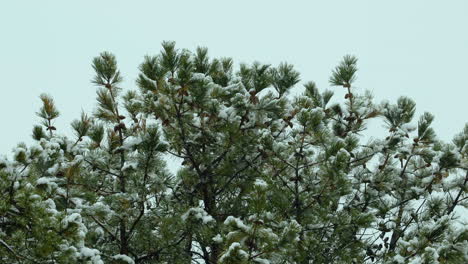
(38, 224)
(265, 177)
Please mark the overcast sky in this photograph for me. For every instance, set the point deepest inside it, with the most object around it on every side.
(413, 48)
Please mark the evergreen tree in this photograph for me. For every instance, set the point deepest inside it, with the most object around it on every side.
(264, 177)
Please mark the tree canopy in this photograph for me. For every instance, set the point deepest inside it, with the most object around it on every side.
(265, 177)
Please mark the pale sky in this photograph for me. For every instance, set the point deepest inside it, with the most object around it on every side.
(413, 48)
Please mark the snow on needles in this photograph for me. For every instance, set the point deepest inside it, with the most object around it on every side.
(260, 183)
(234, 250)
(198, 213)
(124, 258)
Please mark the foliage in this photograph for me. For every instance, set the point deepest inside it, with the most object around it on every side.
(264, 177)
